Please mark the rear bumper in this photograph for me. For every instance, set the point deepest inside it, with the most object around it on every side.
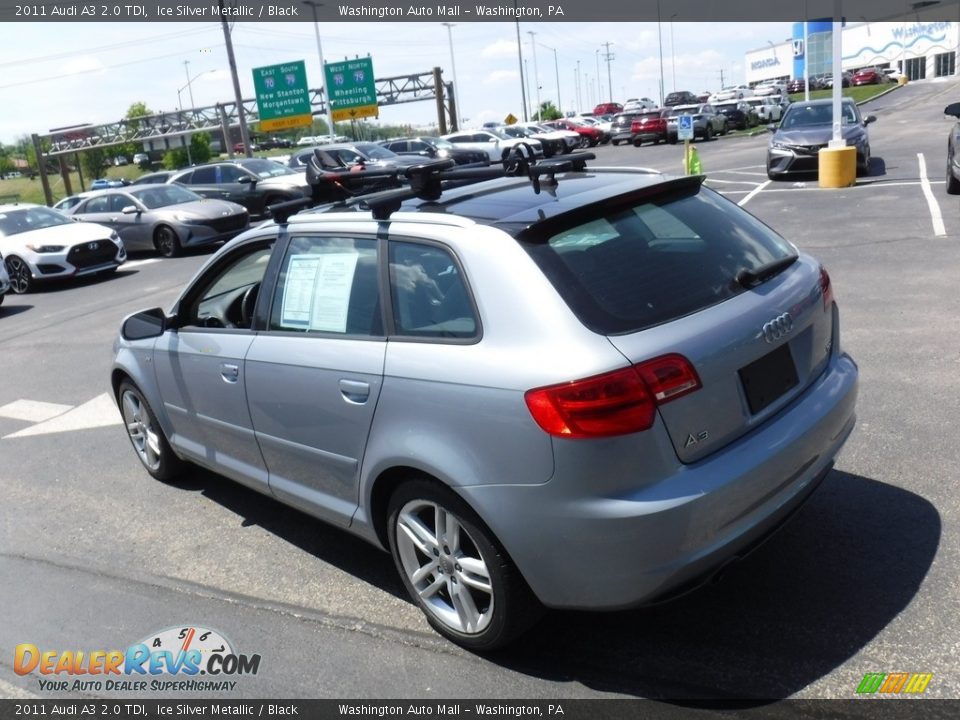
(580, 544)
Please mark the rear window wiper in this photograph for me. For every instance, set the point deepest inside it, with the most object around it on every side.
(751, 278)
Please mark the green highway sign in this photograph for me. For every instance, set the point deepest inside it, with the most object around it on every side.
(351, 91)
(283, 100)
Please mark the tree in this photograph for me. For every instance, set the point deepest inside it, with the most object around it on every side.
(94, 161)
(548, 111)
(136, 110)
(199, 153)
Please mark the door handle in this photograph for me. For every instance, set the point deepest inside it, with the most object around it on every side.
(229, 372)
(355, 391)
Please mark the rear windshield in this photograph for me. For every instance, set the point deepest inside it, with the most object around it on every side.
(641, 265)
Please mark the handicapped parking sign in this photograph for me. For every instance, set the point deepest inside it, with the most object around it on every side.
(685, 127)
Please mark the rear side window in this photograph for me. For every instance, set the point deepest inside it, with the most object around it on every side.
(328, 285)
(641, 265)
(430, 297)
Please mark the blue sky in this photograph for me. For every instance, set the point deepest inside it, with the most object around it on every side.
(57, 74)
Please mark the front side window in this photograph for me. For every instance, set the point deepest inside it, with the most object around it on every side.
(328, 285)
(430, 297)
(227, 298)
(202, 176)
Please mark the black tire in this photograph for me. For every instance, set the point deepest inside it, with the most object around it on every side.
(157, 458)
(21, 279)
(953, 185)
(504, 613)
(615, 142)
(584, 141)
(708, 133)
(637, 143)
(2, 296)
(863, 169)
(726, 129)
(166, 241)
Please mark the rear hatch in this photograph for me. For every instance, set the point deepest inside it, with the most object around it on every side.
(685, 272)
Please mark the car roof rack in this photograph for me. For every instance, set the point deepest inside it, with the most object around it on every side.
(428, 180)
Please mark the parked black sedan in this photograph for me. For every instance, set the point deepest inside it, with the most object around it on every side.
(434, 148)
(739, 115)
(254, 183)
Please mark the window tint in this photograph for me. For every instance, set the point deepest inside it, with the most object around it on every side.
(430, 298)
(328, 284)
(639, 266)
(118, 202)
(220, 303)
(231, 173)
(97, 205)
(202, 176)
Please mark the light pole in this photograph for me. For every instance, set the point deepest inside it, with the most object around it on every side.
(673, 64)
(453, 66)
(186, 71)
(523, 87)
(556, 70)
(536, 74)
(579, 102)
(660, 42)
(180, 106)
(323, 74)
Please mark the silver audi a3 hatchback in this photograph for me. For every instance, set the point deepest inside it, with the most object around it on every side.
(565, 387)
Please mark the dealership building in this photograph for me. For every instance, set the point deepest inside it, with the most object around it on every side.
(920, 50)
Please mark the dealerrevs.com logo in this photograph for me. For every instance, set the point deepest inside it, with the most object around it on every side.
(190, 658)
(899, 683)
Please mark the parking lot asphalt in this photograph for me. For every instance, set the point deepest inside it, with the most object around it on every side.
(862, 580)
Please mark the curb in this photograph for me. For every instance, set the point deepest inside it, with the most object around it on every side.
(880, 95)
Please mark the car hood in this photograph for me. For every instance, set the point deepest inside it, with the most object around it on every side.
(70, 234)
(200, 209)
(815, 134)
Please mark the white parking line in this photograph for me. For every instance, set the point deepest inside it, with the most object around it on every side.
(99, 412)
(753, 192)
(138, 263)
(938, 229)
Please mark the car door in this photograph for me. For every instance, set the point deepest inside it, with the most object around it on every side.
(133, 228)
(200, 367)
(314, 375)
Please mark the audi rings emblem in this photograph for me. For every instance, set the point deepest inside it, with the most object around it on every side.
(777, 328)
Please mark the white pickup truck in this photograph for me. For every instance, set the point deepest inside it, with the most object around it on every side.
(768, 109)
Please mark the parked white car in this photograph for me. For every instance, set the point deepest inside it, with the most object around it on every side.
(770, 89)
(638, 104)
(495, 144)
(767, 108)
(737, 92)
(4, 280)
(39, 243)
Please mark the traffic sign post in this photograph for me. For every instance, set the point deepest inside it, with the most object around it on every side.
(685, 133)
(351, 90)
(283, 100)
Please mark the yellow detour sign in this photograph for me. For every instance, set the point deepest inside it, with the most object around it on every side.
(510, 119)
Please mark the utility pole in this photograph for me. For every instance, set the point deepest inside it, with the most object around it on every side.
(722, 84)
(608, 56)
(238, 98)
(536, 74)
(523, 89)
(186, 68)
(579, 102)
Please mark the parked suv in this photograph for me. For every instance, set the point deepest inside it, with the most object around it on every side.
(584, 398)
(680, 97)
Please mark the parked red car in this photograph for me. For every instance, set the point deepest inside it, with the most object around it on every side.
(589, 136)
(610, 108)
(868, 76)
(650, 126)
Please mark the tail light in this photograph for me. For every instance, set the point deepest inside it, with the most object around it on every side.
(615, 403)
(826, 289)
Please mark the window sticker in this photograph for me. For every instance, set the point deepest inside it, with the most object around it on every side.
(316, 294)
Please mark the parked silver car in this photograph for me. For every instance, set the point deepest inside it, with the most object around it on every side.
(586, 398)
(165, 218)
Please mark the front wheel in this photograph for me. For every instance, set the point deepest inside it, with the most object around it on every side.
(953, 185)
(146, 435)
(708, 133)
(21, 279)
(584, 141)
(455, 570)
(166, 241)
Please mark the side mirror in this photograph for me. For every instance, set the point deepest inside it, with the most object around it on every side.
(952, 109)
(131, 210)
(144, 325)
(869, 119)
(247, 180)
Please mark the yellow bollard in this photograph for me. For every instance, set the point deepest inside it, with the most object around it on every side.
(838, 167)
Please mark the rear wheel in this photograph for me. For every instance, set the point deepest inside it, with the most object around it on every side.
(455, 570)
(21, 280)
(146, 435)
(708, 133)
(166, 241)
(584, 141)
(953, 185)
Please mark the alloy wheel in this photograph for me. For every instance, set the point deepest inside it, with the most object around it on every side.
(145, 439)
(19, 272)
(444, 566)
